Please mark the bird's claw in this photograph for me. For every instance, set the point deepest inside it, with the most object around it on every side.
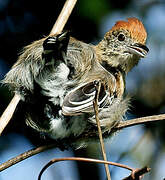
(58, 42)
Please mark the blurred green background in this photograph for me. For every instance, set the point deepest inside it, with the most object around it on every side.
(23, 21)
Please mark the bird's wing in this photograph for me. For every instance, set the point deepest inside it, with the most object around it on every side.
(80, 99)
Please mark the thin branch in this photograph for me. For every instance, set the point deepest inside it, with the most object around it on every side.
(137, 121)
(24, 156)
(138, 173)
(63, 17)
(8, 113)
(135, 173)
(95, 105)
(57, 28)
(84, 160)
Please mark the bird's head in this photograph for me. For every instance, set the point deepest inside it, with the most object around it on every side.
(124, 44)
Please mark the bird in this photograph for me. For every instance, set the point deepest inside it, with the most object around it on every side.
(57, 75)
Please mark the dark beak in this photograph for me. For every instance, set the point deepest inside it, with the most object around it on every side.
(138, 49)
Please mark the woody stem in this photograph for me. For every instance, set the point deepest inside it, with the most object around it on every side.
(95, 105)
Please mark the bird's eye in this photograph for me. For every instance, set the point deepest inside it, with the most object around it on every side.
(121, 37)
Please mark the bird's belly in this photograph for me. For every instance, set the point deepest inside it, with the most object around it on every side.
(55, 87)
(55, 83)
(63, 127)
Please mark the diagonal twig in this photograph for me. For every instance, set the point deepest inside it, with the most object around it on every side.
(8, 113)
(63, 17)
(95, 105)
(24, 156)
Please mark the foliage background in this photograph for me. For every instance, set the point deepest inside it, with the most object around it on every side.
(23, 21)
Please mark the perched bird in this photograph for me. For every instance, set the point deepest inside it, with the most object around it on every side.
(56, 78)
